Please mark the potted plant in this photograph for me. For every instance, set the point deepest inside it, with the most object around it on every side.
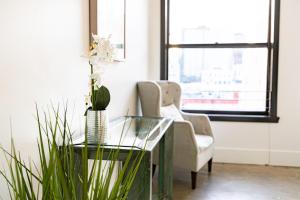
(101, 53)
(55, 175)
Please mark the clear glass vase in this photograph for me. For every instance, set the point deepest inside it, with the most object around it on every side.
(97, 125)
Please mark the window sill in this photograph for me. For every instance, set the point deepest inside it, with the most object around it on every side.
(243, 118)
(240, 117)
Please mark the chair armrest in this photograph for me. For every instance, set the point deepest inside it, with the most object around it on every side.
(200, 122)
(185, 137)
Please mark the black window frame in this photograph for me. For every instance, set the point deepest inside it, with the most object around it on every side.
(270, 115)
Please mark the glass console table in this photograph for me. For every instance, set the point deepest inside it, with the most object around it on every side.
(142, 133)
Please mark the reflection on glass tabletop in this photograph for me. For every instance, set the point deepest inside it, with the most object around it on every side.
(132, 132)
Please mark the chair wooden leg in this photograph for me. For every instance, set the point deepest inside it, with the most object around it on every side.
(153, 170)
(210, 162)
(194, 179)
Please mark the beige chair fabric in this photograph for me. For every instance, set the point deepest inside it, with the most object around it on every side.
(193, 137)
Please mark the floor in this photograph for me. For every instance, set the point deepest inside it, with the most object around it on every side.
(239, 182)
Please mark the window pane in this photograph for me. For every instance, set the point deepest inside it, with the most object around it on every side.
(222, 21)
(220, 79)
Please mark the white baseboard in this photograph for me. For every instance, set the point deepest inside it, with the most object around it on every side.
(241, 155)
(285, 158)
(257, 156)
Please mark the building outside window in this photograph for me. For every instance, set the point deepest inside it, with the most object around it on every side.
(224, 53)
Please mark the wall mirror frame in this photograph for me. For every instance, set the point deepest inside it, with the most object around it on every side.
(108, 17)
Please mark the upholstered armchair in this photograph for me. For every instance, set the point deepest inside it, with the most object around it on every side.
(193, 138)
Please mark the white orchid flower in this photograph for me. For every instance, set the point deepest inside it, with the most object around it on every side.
(95, 76)
(95, 37)
(87, 99)
(100, 55)
(98, 78)
(99, 83)
(93, 60)
(102, 51)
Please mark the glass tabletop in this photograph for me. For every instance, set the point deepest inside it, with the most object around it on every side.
(133, 132)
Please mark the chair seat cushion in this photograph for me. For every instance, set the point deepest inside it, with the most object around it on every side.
(204, 141)
(171, 112)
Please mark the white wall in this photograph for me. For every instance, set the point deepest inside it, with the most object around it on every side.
(40, 47)
(41, 43)
(263, 143)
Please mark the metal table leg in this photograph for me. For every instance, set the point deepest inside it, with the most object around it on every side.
(165, 174)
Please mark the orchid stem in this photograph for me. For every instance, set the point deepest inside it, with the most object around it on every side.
(92, 88)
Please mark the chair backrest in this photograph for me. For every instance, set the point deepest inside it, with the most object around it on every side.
(154, 94)
(170, 93)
